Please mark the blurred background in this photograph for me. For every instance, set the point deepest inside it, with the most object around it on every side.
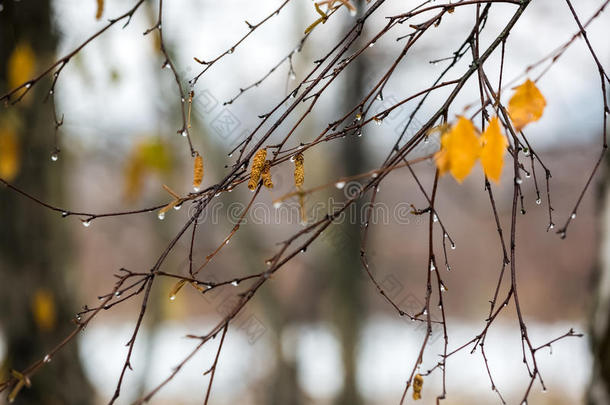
(318, 333)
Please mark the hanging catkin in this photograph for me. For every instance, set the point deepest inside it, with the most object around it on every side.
(197, 172)
(299, 170)
(418, 384)
(100, 9)
(258, 164)
(266, 175)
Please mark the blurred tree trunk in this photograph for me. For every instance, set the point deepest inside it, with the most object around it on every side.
(599, 390)
(346, 280)
(33, 248)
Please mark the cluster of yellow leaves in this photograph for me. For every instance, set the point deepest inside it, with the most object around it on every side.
(461, 146)
(10, 156)
(150, 156)
(43, 309)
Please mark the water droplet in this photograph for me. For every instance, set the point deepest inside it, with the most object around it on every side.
(443, 288)
(217, 194)
(445, 235)
(161, 216)
(177, 207)
(231, 154)
(51, 92)
(562, 234)
(172, 297)
(86, 222)
(47, 359)
(196, 188)
(379, 97)
(28, 85)
(358, 117)
(528, 175)
(54, 156)
(117, 294)
(78, 317)
(378, 189)
(432, 266)
(374, 175)
(434, 218)
(378, 121)
(526, 152)
(183, 132)
(64, 214)
(538, 201)
(303, 250)
(522, 211)
(235, 283)
(551, 226)
(293, 76)
(340, 184)
(573, 215)
(518, 180)
(425, 312)
(453, 246)
(230, 51)
(372, 44)
(182, 99)
(227, 241)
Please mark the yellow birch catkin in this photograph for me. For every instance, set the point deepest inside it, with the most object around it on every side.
(258, 164)
(418, 384)
(100, 9)
(197, 172)
(266, 175)
(299, 170)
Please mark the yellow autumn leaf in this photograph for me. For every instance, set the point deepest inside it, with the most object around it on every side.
(460, 149)
(10, 156)
(21, 65)
(149, 156)
(43, 309)
(492, 152)
(526, 105)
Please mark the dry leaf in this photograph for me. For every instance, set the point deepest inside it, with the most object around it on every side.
(492, 152)
(526, 105)
(460, 149)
